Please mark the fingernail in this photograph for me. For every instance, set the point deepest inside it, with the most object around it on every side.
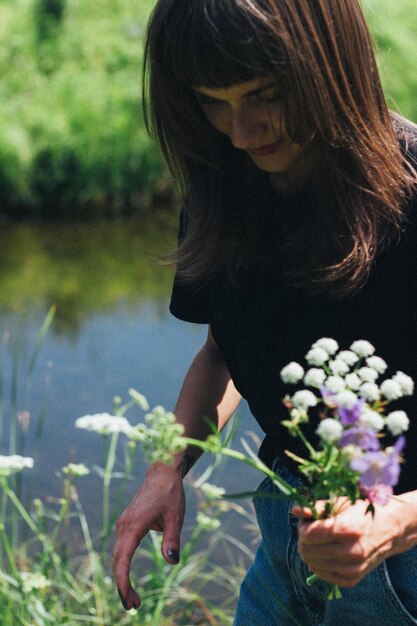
(173, 555)
(122, 600)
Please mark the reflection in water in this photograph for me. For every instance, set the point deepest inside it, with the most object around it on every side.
(84, 267)
(112, 331)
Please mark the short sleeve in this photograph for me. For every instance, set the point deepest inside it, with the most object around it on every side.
(190, 302)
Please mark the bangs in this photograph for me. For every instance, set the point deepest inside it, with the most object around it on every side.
(215, 44)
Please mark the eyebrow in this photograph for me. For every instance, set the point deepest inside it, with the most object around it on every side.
(253, 92)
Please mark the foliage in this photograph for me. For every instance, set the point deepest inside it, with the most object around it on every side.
(56, 571)
(346, 461)
(394, 26)
(85, 267)
(71, 131)
(72, 140)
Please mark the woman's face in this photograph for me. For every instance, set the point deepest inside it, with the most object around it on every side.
(250, 114)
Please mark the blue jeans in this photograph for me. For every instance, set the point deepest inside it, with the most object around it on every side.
(274, 591)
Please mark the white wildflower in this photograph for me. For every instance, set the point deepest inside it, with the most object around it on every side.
(362, 348)
(339, 367)
(329, 430)
(212, 491)
(397, 422)
(304, 399)
(316, 356)
(31, 581)
(391, 389)
(377, 364)
(352, 451)
(76, 469)
(371, 419)
(207, 523)
(349, 357)
(292, 373)
(369, 391)
(327, 344)
(314, 377)
(139, 398)
(368, 374)
(161, 436)
(346, 399)
(353, 381)
(406, 383)
(14, 463)
(103, 423)
(335, 384)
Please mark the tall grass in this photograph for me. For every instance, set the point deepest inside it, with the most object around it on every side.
(55, 569)
(72, 141)
(71, 130)
(394, 27)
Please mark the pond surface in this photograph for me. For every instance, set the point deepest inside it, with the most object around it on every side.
(111, 331)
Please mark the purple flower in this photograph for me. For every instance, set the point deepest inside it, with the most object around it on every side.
(379, 494)
(351, 415)
(364, 438)
(398, 447)
(379, 468)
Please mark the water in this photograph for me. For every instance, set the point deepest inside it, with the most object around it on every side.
(112, 331)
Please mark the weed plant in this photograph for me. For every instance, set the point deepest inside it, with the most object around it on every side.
(55, 571)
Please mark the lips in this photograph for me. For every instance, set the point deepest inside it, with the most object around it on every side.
(266, 150)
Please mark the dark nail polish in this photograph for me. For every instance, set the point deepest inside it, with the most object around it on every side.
(173, 555)
(122, 600)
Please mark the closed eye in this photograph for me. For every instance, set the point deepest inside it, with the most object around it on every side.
(267, 96)
(206, 100)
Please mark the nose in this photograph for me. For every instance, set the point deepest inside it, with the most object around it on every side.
(246, 129)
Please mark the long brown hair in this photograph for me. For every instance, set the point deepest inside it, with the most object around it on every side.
(320, 54)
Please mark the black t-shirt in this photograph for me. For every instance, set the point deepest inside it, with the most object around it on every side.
(260, 325)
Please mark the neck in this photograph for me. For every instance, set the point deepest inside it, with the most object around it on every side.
(296, 180)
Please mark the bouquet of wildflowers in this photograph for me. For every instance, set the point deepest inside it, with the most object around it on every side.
(350, 459)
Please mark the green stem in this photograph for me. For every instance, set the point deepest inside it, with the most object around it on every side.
(306, 442)
(95, 564)
(333, 592)
(19, 507)
(111, 459)
(9, 551)
(130, 457)
(256, 463)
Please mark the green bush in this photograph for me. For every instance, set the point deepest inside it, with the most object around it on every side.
(72, 139)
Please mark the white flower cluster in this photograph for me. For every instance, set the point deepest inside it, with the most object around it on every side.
(212, 492)
(33, 581)
(207, 523)
(347, 380)
(103, 424)
(14, 463)
(161, 436)
(76, 469)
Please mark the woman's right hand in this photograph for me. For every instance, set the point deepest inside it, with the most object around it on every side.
(158, 505)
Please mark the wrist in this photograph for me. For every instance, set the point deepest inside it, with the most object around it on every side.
(179, 468)
(406, 516)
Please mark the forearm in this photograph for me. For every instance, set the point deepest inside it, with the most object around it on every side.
(207, 393)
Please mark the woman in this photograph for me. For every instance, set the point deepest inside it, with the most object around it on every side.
(299, 222)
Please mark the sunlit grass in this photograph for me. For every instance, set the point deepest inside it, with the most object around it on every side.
(72, 139)
(55, 563)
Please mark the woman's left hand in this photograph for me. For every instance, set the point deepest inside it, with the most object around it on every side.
(345, 548)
